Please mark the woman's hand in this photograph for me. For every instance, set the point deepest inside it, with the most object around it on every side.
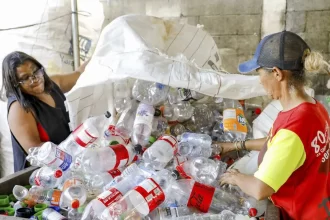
(229, 177)
(223, 148)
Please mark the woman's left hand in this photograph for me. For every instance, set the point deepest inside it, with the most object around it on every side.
(229, 177)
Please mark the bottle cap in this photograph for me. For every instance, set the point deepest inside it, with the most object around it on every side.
(58, 173)
(138, 148)
(4, 200)
(75, 204)
(24, 212)
(157, 112)
(56, 208)
(253, 212)
(107, 114)
(39, 207)
(175, 174)
(114, 142)
(152, 139)
(257, 111)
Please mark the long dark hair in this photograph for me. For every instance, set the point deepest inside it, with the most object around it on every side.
(10, 79)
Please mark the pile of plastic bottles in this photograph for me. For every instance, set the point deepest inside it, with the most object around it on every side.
(156, 162)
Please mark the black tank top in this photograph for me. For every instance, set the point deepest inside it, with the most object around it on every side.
(52, 123)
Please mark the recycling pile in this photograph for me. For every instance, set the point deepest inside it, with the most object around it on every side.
(156, 162)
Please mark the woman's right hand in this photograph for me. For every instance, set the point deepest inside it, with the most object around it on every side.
(223, 147)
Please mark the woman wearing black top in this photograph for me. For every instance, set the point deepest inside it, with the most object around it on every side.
(36, 109)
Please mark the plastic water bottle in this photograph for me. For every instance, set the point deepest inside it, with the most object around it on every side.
(150, 93)
(183, 111)
(201, 169)
(143, 124)
(107, 158)
(161, 152)
(51, 214)
(177, 130)
(206, 198)
(124, 126)
(111, 137)
(143, 199)
(234, 120)
(73, 213)
(74, 196)
(173, 96)
(194, 145)
(85, 134)
(170, 213)
(50, 155)
(159, 126)
(101, 202)
(218, 132)
(37, 194)
(202, 120)
(46, 177)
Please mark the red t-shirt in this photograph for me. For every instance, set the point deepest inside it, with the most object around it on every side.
(301, 182)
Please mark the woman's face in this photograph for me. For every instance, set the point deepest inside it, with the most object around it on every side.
(271, 82)
(30, 78)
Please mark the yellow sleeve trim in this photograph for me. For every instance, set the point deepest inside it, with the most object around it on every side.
(285, 154)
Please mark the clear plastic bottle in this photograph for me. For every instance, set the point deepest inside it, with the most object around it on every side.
(111, 137)
(37, 194)
(202, 120)
(170, 213)
(143, 199)
(234, 120)
(50, 155)
(206, 198)
(150, 93)
(73, 196)
(101, 202)
(107, 158)
(85, 134)
(161, 152)
(124, 126)
(196, 139)
(46, 177)
(122, 94)
(51, 214)
(73, 213)
(159, 126)
(201, 169)
(177, 129)
(143, 124)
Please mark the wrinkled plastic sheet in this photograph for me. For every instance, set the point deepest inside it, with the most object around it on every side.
(158, 50)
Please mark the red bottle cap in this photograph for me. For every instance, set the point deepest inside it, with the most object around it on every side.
(58, 173)
(253, 212)
(75, 204)
(258, 111)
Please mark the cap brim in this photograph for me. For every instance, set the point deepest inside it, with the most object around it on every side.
(248, 66)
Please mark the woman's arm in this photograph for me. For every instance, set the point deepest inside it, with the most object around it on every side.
(67, 81)
(255, 144)
(24, 127)
(248, 184)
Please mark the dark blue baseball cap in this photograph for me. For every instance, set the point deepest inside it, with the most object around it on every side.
(285, 50)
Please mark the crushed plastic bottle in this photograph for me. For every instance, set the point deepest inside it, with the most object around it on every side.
(46, 177)
(150, 93)
(85, 134)
(124, 126)
(142, 200)
(50, 155)
(194, 145)
(161, 152)
(159, 126)
(111, 195)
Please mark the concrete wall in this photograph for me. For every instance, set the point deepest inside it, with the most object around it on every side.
(238, 25)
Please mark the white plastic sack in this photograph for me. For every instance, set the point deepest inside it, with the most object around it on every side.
(48, 41)
(153, 49)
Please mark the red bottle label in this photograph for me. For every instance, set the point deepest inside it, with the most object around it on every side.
(201, 197)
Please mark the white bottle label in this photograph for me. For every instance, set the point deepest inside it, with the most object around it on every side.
(110, 196)
(144, 115)
(82, 137)
(172, 141)
(151, 192)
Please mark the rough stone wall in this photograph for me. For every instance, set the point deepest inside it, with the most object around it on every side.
(238, 25)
